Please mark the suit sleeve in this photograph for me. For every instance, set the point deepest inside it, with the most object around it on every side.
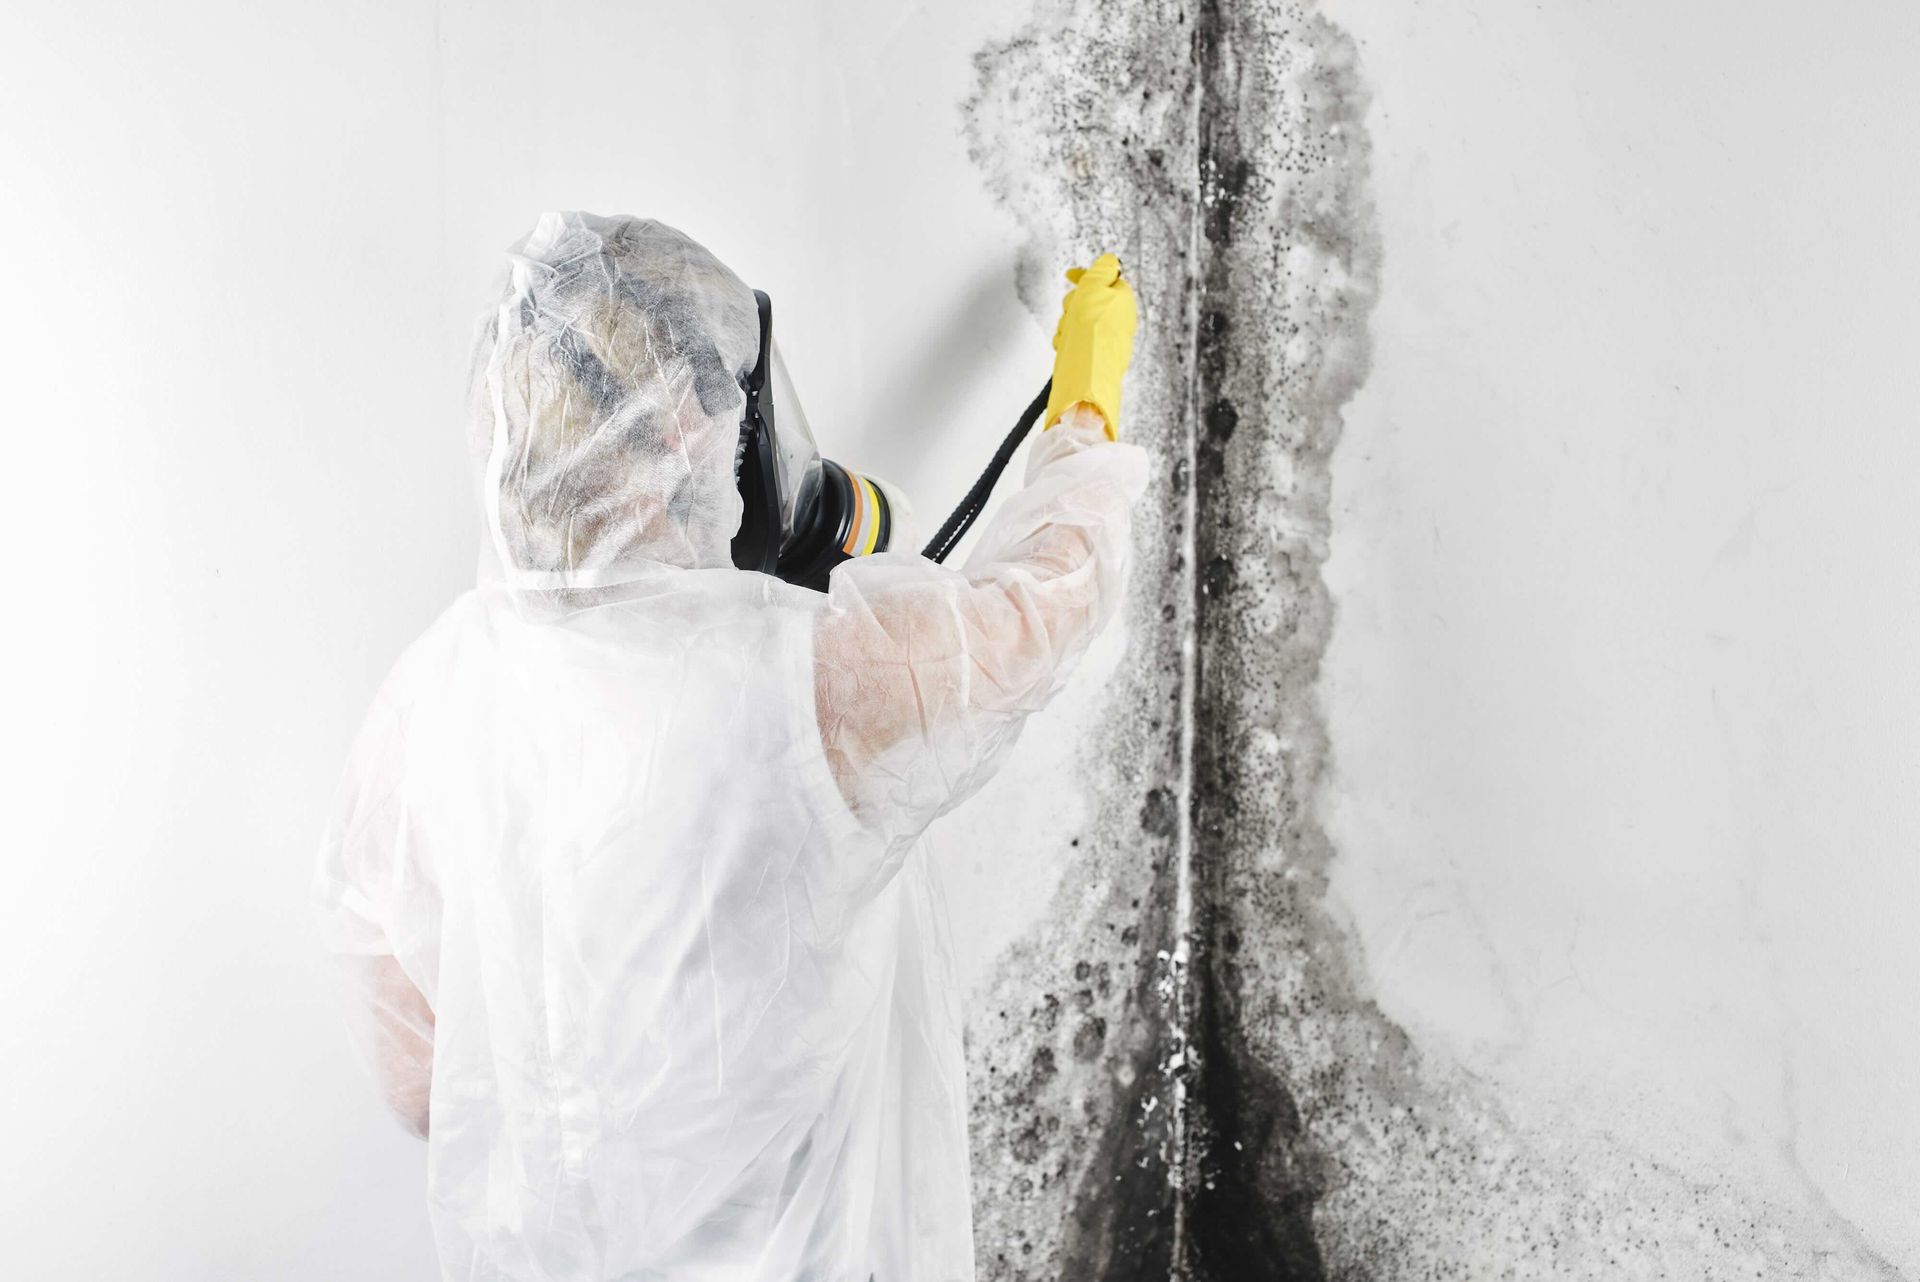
(389, 1019)
(924, 675)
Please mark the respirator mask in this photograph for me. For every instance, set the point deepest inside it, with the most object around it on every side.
(803, 514)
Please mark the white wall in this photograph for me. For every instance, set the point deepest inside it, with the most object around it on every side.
(1626, 711)
(1622, 691)
(247, 243)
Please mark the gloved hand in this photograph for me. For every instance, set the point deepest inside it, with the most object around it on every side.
(1093, 343)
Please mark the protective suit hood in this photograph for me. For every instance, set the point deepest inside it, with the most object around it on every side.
(606, 405)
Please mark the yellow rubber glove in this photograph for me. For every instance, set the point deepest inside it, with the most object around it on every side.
(1093, 343)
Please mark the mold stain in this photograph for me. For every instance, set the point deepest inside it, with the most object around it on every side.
(1182, 1073)
(1092, 154)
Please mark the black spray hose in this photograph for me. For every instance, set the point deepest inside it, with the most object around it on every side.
(970, 507)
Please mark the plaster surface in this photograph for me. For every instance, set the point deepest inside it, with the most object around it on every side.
(1391, 1061)
(1622, 542)
(1487, 846)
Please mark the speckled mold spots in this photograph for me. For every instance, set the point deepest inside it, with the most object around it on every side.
(1182, 1073)
(1082, 124)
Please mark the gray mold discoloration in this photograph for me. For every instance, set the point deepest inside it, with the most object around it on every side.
(1184, 1073)
(1074, 1111)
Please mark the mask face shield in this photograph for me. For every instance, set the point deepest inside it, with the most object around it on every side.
(796, 459)
(803, 514)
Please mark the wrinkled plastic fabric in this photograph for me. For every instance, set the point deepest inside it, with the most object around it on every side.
(625, 878)
(607, 404)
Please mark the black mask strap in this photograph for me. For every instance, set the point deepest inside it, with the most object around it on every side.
(757, 544)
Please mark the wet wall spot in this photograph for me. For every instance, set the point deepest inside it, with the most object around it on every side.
(1199, 1084)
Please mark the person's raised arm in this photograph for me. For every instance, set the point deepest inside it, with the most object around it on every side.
(924, 674)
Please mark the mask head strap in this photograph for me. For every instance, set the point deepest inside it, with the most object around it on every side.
(757, 545)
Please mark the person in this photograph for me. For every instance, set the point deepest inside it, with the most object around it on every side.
(624, 876)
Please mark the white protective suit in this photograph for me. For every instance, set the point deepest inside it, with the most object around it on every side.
(623, 869)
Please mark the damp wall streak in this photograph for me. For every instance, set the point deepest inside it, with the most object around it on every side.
(1248, 1110)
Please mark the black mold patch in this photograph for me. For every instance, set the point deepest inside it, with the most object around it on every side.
(1085, 135)
(1160, 815)
(1200, 1085)
(1070, 1127)
(1251, 1212)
